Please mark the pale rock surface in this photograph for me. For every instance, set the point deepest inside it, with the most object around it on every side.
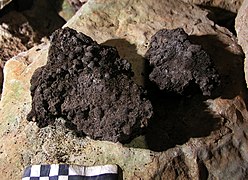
(1, 77)
(4, 3)
(230, 5)
(241, 26)
(10, 45)
(220, 154)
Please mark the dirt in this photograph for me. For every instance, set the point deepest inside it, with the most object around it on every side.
(177, 64)
(90, 86)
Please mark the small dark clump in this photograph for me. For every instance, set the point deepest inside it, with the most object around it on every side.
(177, 63)
(90, 86)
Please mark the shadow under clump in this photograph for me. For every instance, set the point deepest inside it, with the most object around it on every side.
(128, 51)
(176, 117)
(221, 16)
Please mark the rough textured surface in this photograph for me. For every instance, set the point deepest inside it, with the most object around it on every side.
(176, 63)
(91, 86)
(230, 5)
(220, 153)
(241, 26)
(221, 12)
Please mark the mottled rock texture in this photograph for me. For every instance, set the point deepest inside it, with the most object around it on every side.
(176, 63)
(91, 86)
(186, 153)
(230, 5)
(241, 26)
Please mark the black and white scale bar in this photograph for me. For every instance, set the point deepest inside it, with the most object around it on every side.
(70, 172)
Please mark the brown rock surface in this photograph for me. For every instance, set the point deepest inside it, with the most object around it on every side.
(13, 39)
(207, 137)
(241, 27)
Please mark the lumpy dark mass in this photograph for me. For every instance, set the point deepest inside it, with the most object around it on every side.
(90, 86)
(177, 63)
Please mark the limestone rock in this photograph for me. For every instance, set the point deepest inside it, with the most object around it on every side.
(241, 26)
(207, 139)
(1, 77)
(4, 3)
(10, 44)
(230, 5)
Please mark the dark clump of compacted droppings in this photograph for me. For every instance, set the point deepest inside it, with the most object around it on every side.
(177, 63)
(90, 86)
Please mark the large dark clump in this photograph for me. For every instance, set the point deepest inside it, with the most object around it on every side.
(90, 86)
(177, 63)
